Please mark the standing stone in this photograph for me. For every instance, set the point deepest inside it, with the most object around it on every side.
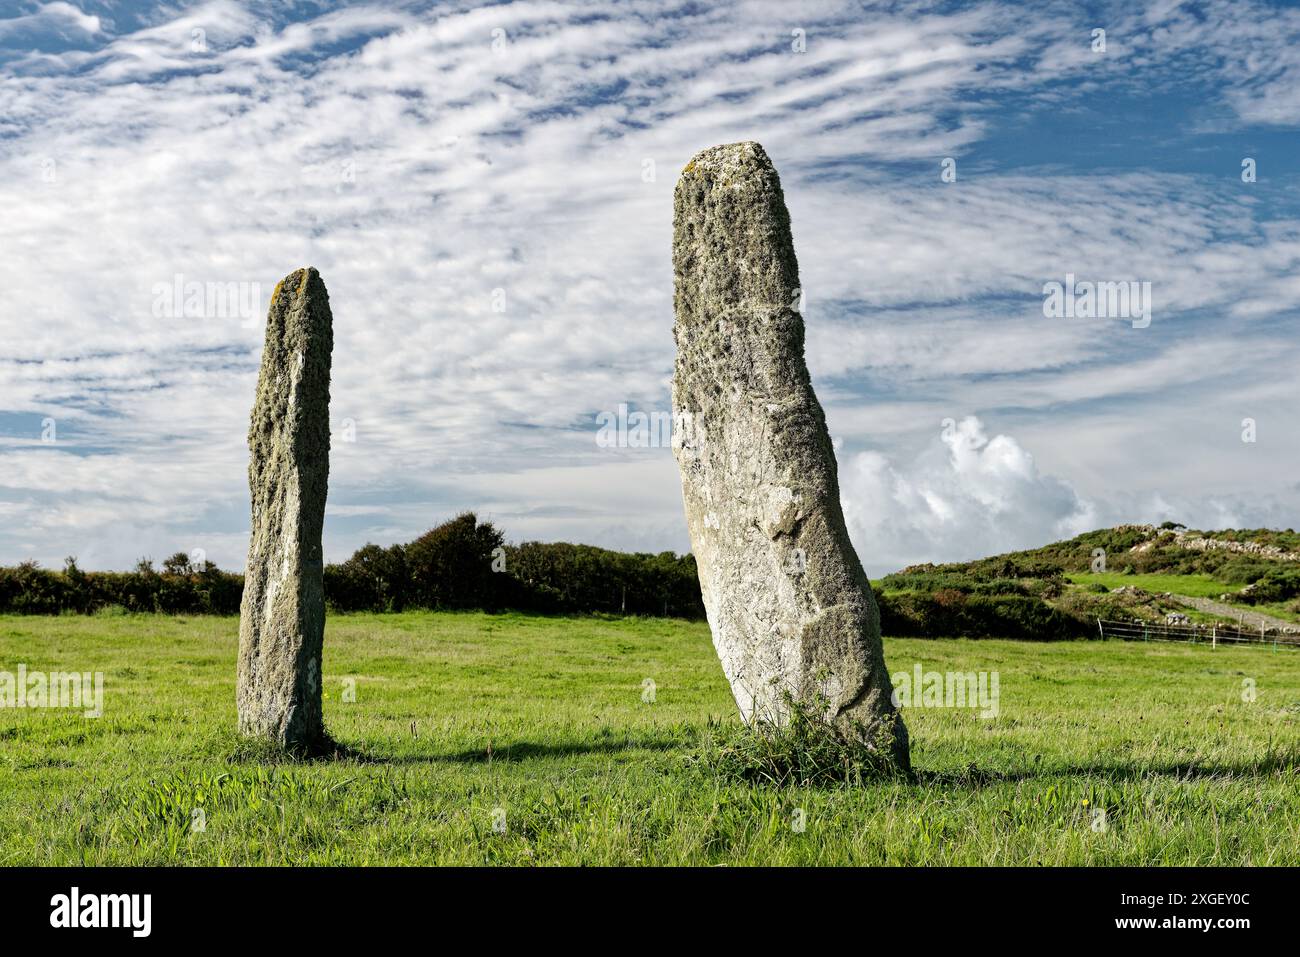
(282, 621)
(790, 608)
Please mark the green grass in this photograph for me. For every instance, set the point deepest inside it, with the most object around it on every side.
(541, 722)
(1197, 586)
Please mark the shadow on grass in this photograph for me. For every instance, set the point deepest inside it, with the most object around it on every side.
(972, 776)
(242, 751)
(530, 750)
(336, 751)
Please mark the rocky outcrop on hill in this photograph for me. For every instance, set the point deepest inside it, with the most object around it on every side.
(1182, 538)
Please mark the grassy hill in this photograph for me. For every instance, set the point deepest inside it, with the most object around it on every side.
(1137, 572)
(514, 739)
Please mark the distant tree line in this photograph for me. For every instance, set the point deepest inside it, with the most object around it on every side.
(466, 564)
(180, 587)
(461, 564)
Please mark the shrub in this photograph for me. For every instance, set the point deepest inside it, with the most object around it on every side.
(373, 579)
(918, 615)
(949, 598)
(1243, 571)
(450, 566)
(1278, 584)
(558, 576)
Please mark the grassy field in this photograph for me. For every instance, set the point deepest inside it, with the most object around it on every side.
(1197, 586)
(538, 726)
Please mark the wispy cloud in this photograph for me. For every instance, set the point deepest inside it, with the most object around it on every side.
(487, 193)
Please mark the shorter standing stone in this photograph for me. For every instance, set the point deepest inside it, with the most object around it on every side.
(282, 620)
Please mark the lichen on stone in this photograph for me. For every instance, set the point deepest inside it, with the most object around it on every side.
(791, 610)
(282, 619)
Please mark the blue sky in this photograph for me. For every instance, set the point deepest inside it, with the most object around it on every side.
(487, 192)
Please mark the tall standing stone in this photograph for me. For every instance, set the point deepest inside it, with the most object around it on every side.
(282, 621)
(790, 608)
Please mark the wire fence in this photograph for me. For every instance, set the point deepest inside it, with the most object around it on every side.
(1211, 635)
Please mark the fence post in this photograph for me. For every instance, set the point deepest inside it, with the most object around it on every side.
(1214, 636)
(1101, 631)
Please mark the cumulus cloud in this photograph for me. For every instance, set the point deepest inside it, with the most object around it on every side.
(966, 495)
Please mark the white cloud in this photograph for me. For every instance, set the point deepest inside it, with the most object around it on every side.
(419, 170)
(58, 17)
(964, 497)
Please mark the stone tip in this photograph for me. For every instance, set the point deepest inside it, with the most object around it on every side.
(298, 280)
(728, 160)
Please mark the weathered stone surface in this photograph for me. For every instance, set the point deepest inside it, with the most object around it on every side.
(282, 621)
(789, 606)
